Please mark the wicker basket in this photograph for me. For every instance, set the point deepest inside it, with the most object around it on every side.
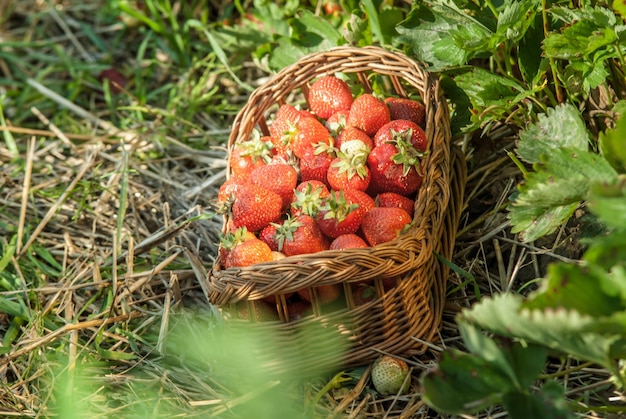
(413, 308)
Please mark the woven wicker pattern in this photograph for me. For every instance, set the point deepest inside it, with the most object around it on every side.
(411, 309)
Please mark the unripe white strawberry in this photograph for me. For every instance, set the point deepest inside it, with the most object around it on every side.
(388, 375)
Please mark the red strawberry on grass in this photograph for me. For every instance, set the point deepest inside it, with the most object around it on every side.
(368, 114)
(280, 178)
(300, 235)
(328, 95)
(255, 207)
(403, 108)
(383, 224)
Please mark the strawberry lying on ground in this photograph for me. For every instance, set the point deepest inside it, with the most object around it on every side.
(390, 376)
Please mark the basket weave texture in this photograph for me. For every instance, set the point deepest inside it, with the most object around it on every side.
(401, 317)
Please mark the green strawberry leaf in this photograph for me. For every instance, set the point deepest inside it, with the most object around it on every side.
(519, 364)
(587, 289)
(612, 145)
(530, 53)
(462, 383)
(309, 33)
(581, 38)
(560, 329)
(564, 172)
(620, 7)
(607, 250)
(534, 222)
(436, 33)
(608, 201)
(559, 127)
(491, 96)
(492, 373)
(549, 403)
(563, 177)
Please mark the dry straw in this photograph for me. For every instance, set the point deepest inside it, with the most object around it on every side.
(413, 308)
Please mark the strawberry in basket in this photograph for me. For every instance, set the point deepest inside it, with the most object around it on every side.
(335, 177)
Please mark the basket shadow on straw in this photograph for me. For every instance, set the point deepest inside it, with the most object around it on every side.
(408, 280)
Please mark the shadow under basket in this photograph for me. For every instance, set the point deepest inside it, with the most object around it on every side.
(408, 280)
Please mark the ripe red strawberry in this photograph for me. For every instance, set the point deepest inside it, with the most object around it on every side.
(248, 253)
(308, 198)
(255, 207)
(368, 113)
(117, 81)
(343, 211)
(300, 235)
(353, 141)
(328, 95)
(401, 129)
(231, 239)
(347, 241)
(392, 199)
(228, 188)
(278, 178)
(315, 166)
(332, 8)
(383, 224)
(268, 235)
(389, 376)
(337, 121)
(403, 108)
(325, 294)
(362, 294)
(284, 121)
(248, 155)
(299, 309)
(394, 170)
(308, 134)
(349, 172)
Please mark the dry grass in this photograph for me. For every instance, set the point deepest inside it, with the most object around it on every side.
(99, 201)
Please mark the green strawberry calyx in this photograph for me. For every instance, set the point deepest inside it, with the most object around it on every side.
(310, 201)
(256, 149)
(408, 156)
(336, 207)
(355, 164)
(285, 231)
